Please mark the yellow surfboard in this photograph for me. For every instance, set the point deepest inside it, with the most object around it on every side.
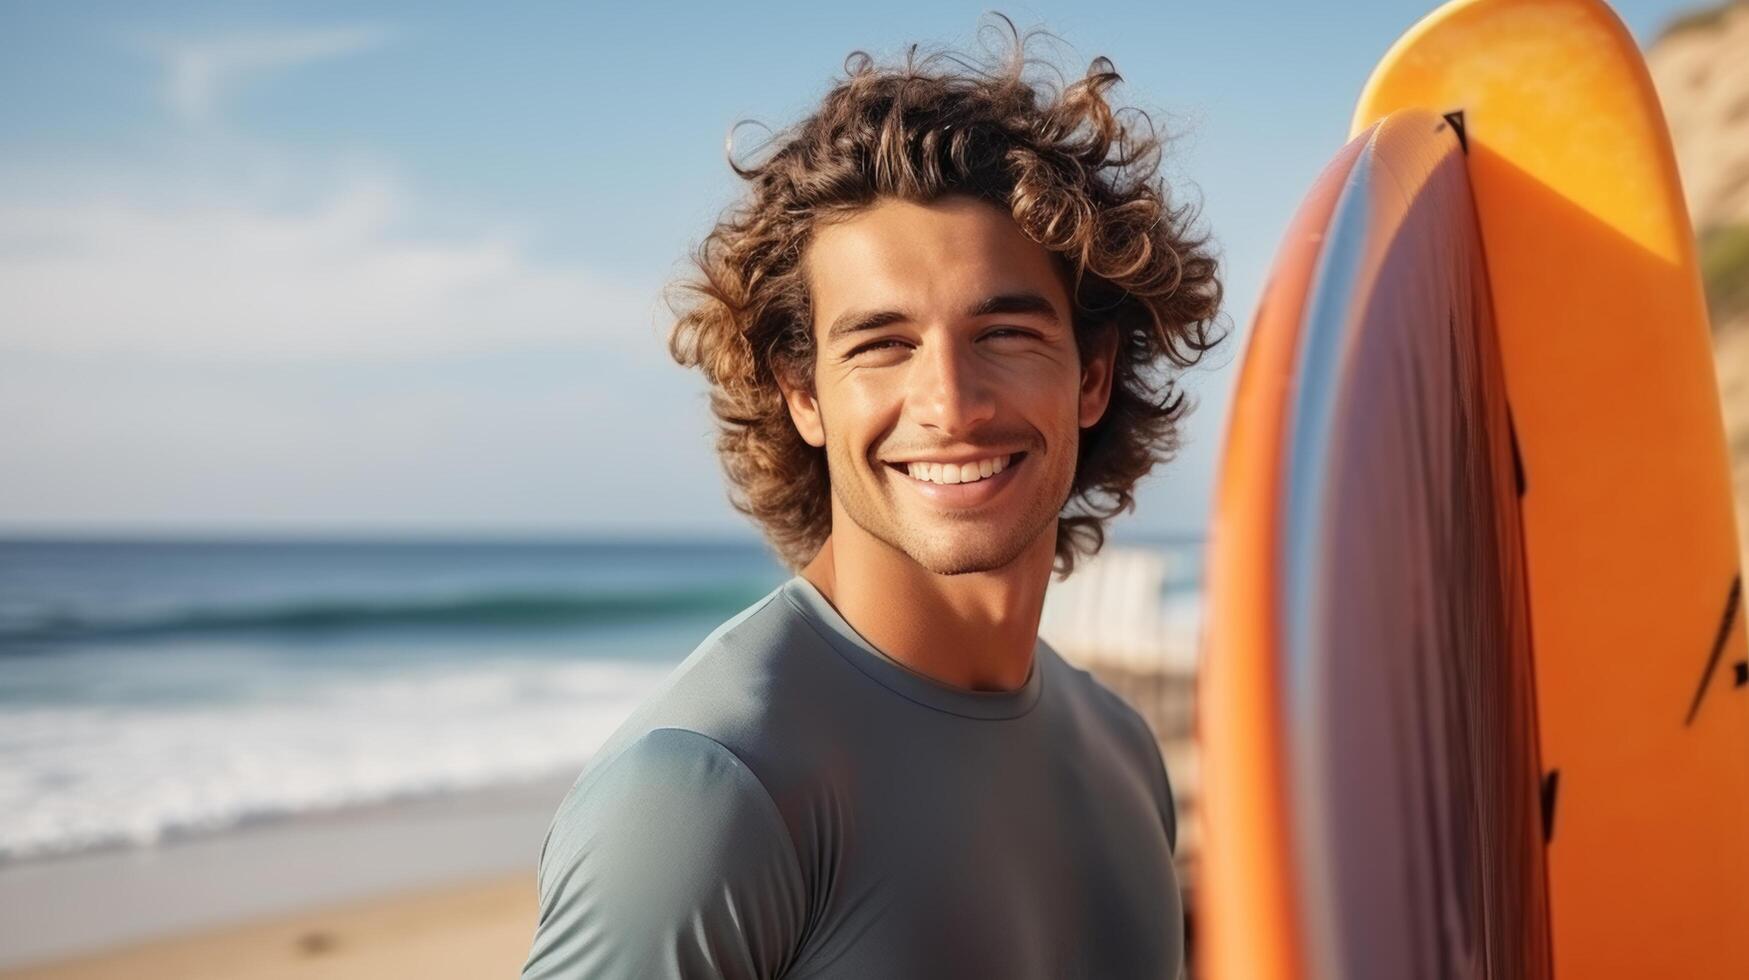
(1630, 543)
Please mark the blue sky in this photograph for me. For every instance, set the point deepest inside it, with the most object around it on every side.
(332, 268)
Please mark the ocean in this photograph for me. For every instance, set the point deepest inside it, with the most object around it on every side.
(156, 690)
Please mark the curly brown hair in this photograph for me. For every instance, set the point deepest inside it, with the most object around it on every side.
(1078, 179)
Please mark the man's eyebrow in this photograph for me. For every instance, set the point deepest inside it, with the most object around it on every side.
(1030, 303)
(855, 321)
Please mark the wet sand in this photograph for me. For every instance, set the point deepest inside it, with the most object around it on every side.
(437, 888)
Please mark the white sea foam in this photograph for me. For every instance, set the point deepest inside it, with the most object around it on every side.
(76, 776)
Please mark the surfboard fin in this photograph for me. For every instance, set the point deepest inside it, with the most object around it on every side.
(1551, 783)
(1732, 600)
(1517, 457)
(1456, 118)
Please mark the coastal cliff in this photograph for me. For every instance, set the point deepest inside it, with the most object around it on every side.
(1700, 66)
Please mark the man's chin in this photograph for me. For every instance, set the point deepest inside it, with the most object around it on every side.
(965, 557)
(944, 544)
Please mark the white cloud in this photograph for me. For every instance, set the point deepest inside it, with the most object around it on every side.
(217, 331)
(256, 339)
(124, 266)
(209, 244)
(199, 73)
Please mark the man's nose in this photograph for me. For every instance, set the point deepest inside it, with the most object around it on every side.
(951, 391)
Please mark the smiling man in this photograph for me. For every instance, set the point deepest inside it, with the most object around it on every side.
(941, 333)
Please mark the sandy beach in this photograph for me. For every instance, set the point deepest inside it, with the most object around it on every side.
(474, 929)
(441, 887)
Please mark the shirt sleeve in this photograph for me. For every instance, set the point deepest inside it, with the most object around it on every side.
(671, 861)
(1155, 762)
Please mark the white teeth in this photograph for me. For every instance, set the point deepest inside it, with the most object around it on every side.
(952, 473)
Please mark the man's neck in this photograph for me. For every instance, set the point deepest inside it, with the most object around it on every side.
(974, 631)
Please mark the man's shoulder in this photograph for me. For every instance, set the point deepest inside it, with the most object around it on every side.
(727, 688)
(751, 687)
(671, 786)
(1113, 728)
(1091, 698)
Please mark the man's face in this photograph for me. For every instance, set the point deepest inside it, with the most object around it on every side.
(948, 394)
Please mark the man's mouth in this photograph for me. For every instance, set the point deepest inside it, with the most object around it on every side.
(949, 474)
(959, 485)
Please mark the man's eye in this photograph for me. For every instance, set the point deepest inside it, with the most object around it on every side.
(877, 345)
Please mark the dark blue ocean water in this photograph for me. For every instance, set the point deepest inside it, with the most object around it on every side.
(151, 689)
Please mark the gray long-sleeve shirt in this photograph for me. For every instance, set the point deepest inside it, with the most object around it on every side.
(794, 803)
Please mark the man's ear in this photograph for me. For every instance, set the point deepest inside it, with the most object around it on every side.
(804, 411)
(1096, 374)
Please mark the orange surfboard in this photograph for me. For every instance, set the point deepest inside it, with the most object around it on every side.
(1588, 712)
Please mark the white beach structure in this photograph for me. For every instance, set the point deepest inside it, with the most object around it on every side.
(1114, 611)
